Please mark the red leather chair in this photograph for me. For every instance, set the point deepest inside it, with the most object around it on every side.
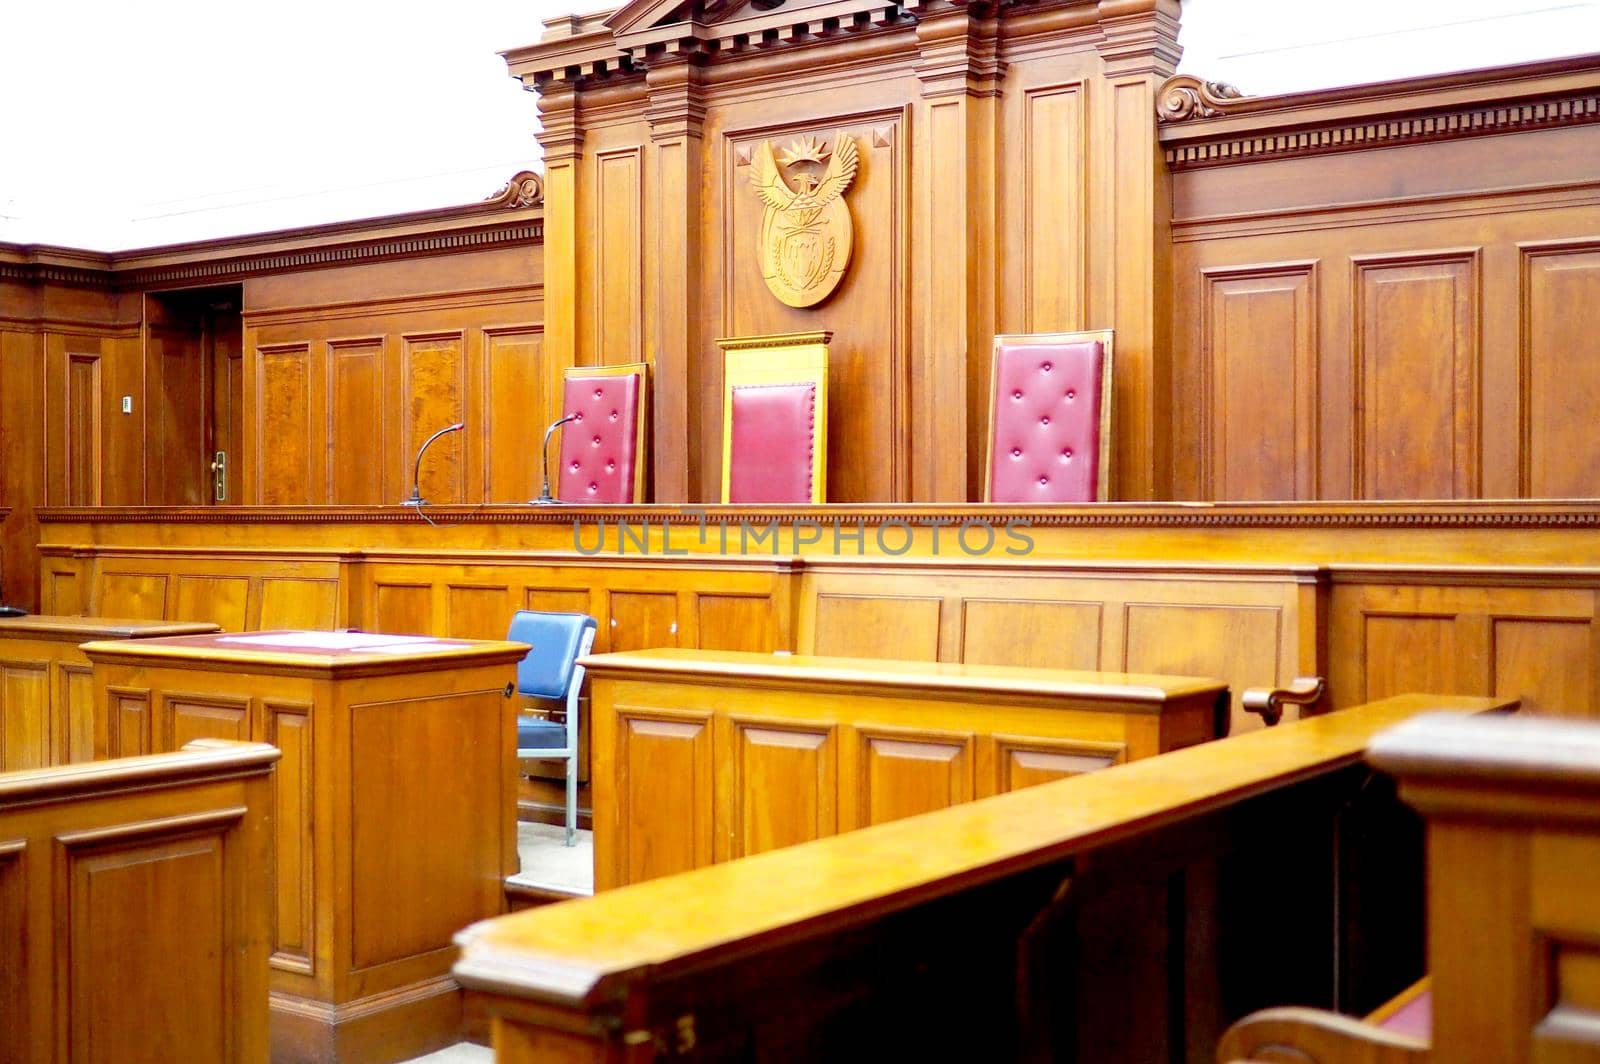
(775, 418)
(602, 452)
(1050, 419)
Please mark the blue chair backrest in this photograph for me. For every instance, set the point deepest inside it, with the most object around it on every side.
(546, 671)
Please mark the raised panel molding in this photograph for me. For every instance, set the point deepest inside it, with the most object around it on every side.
(877, 626)
(1559, 371)
(220, 600)
(25, 740)
(1258, 382)
(1418, 374)
(84, 429)
(734, 622)
(619, 256)
(283, 425)
(513, 384)
(1028, 761)
(356, 458)
(785, 784)
(128, 721)
(903, 772)
(288, 727)
(190, 717)
(1054, 167)
(404, 609)
(140, 595)
(433, 377)
(664, 829)
(1033, 634)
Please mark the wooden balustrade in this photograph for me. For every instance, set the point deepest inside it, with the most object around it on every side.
(1121, 915)
(136, 919)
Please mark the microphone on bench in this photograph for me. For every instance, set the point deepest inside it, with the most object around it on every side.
(545, 498)
(416, 498)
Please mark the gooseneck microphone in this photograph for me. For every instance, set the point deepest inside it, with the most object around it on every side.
(545, 498)
(416, 498)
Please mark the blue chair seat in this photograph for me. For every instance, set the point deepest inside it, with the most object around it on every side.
(536, 733)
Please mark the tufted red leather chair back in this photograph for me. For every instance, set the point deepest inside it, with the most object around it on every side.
(600, 451)
(774, 435)
(1047, 427)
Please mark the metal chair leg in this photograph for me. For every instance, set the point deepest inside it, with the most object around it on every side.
(572, 801)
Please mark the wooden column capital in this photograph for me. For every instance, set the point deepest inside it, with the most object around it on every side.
(677, 106)
(560, 135)
(958, 55)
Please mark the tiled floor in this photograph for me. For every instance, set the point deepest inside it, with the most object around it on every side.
(548, 863)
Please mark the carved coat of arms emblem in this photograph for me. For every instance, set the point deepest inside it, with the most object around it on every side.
(806, 232)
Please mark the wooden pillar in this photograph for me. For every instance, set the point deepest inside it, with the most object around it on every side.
(1132, 245)
(562, 142)
(676, 113)
(954, 272)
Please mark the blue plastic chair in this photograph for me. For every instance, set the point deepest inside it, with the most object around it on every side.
(551, 672)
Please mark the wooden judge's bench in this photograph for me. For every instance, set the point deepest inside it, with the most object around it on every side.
(1473, 598)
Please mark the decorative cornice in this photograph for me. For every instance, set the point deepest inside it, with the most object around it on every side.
(1208, 124)
(1186, 96)
(1509, 516)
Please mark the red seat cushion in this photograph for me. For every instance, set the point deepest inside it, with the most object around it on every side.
(772, 441)
(1047, 423)
(599, 451)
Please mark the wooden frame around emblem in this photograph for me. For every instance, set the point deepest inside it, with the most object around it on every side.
(640, 459)
(1102, 491)
(783, 358)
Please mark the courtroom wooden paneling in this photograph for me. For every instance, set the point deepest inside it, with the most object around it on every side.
(1394, 313)
(703, 756)
(132, 893)
(1111, 917)
(48, 712)
(412, 735)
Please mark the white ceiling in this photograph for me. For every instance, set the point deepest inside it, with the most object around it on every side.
(138, 124)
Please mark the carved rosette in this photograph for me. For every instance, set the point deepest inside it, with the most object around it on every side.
(525, 189)
(1185, 96)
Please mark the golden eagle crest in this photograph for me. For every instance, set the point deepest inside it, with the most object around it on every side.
(806, 232)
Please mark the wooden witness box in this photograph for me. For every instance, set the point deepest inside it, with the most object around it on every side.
(706, 756)
(47, 701)
(394, 811)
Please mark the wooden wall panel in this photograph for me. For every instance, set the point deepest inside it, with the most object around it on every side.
(1023, 763)
(642, 619)
(433, 385)
(185, 718)
(294, 929)
(619, 254)
(222, 600)
(903, 773)
(1054, 161)
(1258, 369)
(289, 603)
(1560, 371)
(177, 387)
(864, 626)
(1549, 664)
(24, 715)
(283, 440)
(142, 596)
(478, 611)
(514, 374)
(84, 429)
(356, 454)
(1056, 635)
(403, 609)
(1418, 370)
(735, 622)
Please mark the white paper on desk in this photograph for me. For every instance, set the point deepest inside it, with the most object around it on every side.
(329, 640)
(412, 648)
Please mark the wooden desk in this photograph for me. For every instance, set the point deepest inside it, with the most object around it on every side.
(1116, 916)
(705, 756)
(394, 816)
(46, 691)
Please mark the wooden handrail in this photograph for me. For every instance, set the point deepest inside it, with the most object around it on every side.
(591, 963)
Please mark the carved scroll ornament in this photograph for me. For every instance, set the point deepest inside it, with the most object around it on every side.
(806, 232)
(525, 189)
(1186, 96)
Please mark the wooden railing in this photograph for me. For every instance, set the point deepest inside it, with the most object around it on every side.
(1123, 915)
(135, 907)
(1513, 814)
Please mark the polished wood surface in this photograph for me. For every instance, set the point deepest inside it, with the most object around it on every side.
(1471, 598)
(1513, 845)
(393, 812)
(136, 925)
(47, 703)
(701, 756)
(862, 939)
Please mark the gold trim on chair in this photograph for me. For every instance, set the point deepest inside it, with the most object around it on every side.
(785, 358)
(1103, 460)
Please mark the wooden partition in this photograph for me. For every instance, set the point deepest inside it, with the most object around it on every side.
(702, 756)
(1493, 599)
(131, 891)
(1121, 915)
(1513, 856)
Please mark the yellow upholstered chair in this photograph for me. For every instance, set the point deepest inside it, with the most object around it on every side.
(1050, 419)
(775, 418)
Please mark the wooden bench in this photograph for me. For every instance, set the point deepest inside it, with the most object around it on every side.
(1513, 814)
(135, 913)
(1121, 915)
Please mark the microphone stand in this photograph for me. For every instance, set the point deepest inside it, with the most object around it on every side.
(416, 499)
(545, 498)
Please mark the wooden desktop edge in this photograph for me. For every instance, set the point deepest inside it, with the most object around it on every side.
(575, 954)
(209, 757)
(803, 670)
